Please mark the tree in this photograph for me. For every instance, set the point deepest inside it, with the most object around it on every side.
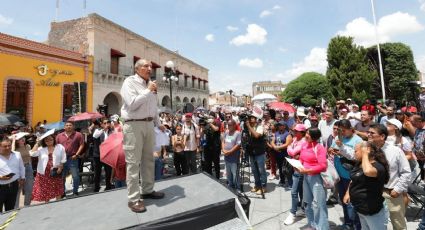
(348, 72)
(308, 89)
(400, 71)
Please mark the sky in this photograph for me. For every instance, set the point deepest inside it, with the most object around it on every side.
(239, 41)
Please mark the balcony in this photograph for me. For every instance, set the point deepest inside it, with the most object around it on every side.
(104, 67)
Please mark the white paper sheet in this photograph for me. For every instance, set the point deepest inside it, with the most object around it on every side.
(296, 163)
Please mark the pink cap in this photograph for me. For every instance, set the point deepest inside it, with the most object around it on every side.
(300, 128)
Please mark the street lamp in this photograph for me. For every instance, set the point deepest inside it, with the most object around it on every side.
(230, 92)
(169, 76)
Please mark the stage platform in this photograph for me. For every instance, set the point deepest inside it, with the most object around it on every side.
(197, 201)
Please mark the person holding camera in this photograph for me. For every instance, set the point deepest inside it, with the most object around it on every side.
(256, 149)
(99, 136)
(178, 142)
(51, 159)
(212, 148)
(12, 175)
(191, 132)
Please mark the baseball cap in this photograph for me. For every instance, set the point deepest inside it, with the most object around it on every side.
(188, 115)
(300, 128)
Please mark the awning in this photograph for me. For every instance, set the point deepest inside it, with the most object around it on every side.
(135, 59)
(117, 53)
(194, 77)
(155, 66)
(178, 72)
(186, 76)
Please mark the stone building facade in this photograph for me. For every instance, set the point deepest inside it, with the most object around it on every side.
(272, 87)
(116, 50)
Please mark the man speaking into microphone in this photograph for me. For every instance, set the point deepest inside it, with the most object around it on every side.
(139, 112)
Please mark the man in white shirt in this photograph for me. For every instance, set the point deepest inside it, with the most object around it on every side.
(399, 171)
(139, 112)
(12, 175)
(326, 126)
(99, 136)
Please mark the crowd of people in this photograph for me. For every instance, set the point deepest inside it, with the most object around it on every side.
(376, 150)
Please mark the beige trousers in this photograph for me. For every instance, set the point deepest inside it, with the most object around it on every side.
(139, 141)
(397, 211)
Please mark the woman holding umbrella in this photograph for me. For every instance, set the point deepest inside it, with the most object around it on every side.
(51, 158)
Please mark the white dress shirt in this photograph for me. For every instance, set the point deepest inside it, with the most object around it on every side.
(138, 101)
(399, 168)
(12, 165)
(59, 156)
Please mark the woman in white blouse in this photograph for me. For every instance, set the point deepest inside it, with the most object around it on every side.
(51, 157)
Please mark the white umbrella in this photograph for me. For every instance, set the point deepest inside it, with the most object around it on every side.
(264, 97)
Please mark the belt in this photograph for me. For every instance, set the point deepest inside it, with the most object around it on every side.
(143, 119)
(8, 185)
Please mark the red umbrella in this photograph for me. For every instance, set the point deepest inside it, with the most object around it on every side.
(112, 152)
(282, 106)
(85, 116)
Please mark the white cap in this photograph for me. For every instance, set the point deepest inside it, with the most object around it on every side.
(257, 112)
(395, 122)
(48, 133)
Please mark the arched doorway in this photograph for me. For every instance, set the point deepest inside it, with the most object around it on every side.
(166, 102)
(17, 97)
(113, 101)
(198, 102)
(185, 100)
(204, 103)
(177, 103)
(193, 101)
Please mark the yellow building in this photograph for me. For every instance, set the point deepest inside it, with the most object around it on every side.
(39, 81)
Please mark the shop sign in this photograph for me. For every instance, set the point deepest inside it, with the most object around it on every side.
(44, 70)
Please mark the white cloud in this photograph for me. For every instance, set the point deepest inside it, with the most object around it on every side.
(5, 21)
(209, 37)
(422, 7)
(276, 7)
(283, 50)
(232, 28)
(255, 35)
(265, 13)
(388, 26)
(251, 63)
(315, 61)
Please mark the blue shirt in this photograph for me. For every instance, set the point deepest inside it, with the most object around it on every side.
(349, 144)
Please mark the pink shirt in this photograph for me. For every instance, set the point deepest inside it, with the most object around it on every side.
(295, 147)
(310, 161)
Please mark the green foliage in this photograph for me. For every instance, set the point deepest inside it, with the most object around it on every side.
(308, 89)
(399, 71)
(348, 72)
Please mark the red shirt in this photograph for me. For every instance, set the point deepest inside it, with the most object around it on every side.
(71, 143)
(371, 109)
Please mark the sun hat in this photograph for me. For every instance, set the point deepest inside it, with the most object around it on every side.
(395, 122)
(300, 112)
(19, 135)
(46, 134)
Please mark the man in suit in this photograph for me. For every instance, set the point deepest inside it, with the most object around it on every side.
(99, 136)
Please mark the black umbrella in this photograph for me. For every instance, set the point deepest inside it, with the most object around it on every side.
(7, 119)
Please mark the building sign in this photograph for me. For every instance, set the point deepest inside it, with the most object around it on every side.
(43, 70)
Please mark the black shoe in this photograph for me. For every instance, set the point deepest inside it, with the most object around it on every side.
(153, 195)
(76, 194)
(331, 201)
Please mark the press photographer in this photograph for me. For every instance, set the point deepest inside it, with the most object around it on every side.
(210, 131)
(256, 150)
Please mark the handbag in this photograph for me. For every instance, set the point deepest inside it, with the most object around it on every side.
(54, 173)
(330, 177)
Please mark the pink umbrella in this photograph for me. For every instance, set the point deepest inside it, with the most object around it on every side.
(85, 116)
(112, 152)
(282, 106)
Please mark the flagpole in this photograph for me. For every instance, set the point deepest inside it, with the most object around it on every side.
(381, 71)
